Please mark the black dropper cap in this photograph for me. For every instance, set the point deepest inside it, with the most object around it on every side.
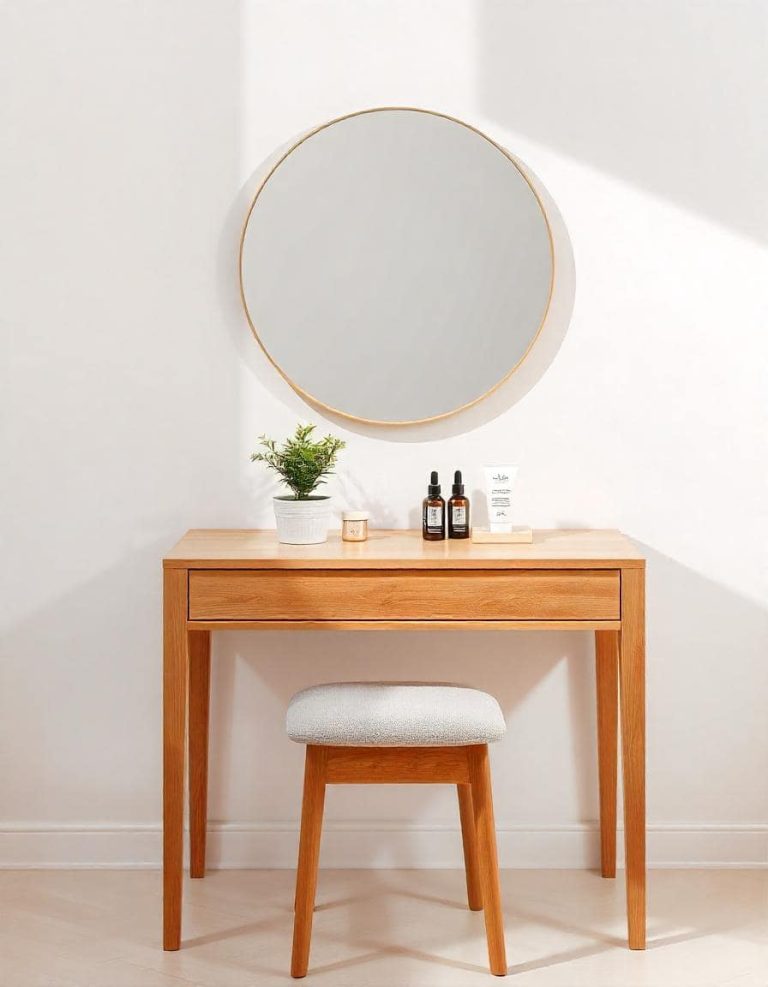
(434, 487)
(458, 486)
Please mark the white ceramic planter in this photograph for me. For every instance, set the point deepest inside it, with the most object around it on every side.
(302, 522)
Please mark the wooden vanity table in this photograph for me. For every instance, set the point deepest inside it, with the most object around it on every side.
(245, 580)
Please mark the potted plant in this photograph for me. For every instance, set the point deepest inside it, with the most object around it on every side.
(302, 464)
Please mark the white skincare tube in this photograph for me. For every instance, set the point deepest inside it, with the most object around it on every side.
(499, 481)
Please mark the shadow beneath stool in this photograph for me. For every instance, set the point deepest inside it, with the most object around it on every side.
(378, 950)
(435, 900)
(566, 956)
(247, 928)
(340, 902)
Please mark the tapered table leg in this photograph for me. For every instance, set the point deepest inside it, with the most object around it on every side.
(199, 646)
(632, 678)
(607, 678)
(174, 716)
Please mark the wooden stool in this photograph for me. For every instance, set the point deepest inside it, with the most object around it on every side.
(395, 733)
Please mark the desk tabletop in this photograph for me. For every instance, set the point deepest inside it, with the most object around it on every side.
(233, 548)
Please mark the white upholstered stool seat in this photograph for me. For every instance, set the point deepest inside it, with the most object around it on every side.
(393, 714)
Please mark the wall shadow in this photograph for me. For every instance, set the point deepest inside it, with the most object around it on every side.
(706, 679)
(670, 97)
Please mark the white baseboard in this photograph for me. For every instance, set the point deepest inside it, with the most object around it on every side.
(375, 844)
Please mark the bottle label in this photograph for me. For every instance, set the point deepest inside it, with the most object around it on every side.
(459, 517)
(435, 517)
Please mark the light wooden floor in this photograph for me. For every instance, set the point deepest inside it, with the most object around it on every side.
(565, 928)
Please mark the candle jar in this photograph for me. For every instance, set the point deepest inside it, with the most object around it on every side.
(354, 525)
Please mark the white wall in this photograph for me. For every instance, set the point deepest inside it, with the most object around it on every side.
(133, 394)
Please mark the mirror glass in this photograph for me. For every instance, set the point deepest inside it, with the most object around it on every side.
(396, 265)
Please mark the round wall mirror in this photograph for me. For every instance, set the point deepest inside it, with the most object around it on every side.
(396, 265)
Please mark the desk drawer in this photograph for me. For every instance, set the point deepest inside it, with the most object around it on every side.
(361, 594)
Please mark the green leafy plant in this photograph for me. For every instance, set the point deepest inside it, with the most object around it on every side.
(300, 463)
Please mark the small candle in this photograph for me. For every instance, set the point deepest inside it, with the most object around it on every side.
(354, 525)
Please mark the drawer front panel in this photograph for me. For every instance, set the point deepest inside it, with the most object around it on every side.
(345, 594)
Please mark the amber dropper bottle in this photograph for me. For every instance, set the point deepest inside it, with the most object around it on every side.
(433, 512)
(458, 510)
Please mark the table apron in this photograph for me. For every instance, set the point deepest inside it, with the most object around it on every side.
(420, 597)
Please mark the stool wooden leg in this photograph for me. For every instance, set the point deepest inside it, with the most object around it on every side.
(469, 839)
(482, 801)
(309, 854)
